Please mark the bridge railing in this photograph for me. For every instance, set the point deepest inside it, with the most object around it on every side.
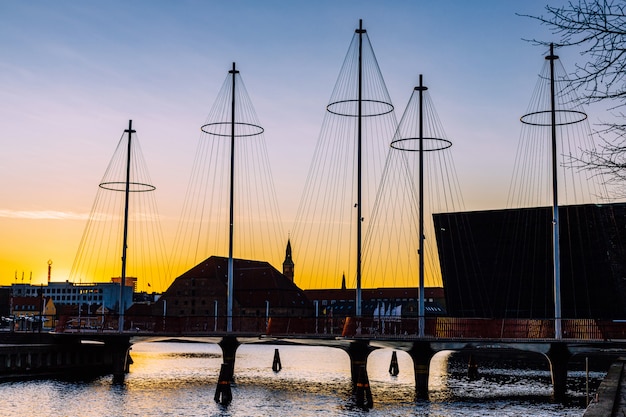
(435, 327)
(485, 328)
(160, 324)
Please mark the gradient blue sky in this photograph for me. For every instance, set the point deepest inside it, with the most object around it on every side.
(72, 73)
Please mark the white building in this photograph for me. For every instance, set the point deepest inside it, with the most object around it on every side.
(69, 293)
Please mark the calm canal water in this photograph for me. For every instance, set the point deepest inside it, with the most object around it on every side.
(179, 379)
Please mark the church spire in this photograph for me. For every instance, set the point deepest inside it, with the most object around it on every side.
(288, 263)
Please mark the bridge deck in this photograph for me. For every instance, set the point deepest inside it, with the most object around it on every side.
(367, 327)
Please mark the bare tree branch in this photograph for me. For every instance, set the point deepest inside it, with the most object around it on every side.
(598, 28)
(608, 161)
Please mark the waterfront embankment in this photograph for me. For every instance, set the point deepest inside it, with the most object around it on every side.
(610, 399)
(41, 355)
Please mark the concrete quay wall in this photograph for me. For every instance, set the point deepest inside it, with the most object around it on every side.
(25, 356)
(609, 400)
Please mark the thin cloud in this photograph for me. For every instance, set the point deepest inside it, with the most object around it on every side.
(42, 215)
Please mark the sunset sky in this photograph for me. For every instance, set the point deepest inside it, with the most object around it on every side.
(72, 73)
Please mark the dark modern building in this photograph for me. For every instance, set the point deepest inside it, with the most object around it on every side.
(498, 263)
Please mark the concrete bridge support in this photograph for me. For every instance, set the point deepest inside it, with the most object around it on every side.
(223, 393)
(119, 349)
(358, 351)
(558, 356)
(421, 353)
(229, 345)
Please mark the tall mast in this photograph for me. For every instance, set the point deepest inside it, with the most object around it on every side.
(555, 204)
(424, 136)
(241, 123)
(130, 131)
(359, 221)
(421, 307)
(230, 289)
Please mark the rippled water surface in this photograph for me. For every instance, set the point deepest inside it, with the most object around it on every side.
(179, 379)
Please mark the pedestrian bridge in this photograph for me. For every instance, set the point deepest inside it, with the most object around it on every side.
(370, 327)
(358, 337)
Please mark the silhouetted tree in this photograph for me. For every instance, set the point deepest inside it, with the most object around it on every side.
(597, 28)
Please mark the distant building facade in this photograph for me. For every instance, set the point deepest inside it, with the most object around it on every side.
(199, 297)
(128, 281)
(29, 313)
(379, 301)
(69, 293)
(257, 284)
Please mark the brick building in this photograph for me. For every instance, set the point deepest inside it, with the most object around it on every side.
(197, 299)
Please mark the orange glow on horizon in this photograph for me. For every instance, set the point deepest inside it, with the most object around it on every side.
(29, 243)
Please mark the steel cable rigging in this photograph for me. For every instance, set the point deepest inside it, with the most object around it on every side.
(203, 230)
(550, 143)
(98, 257)
(346, 167)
